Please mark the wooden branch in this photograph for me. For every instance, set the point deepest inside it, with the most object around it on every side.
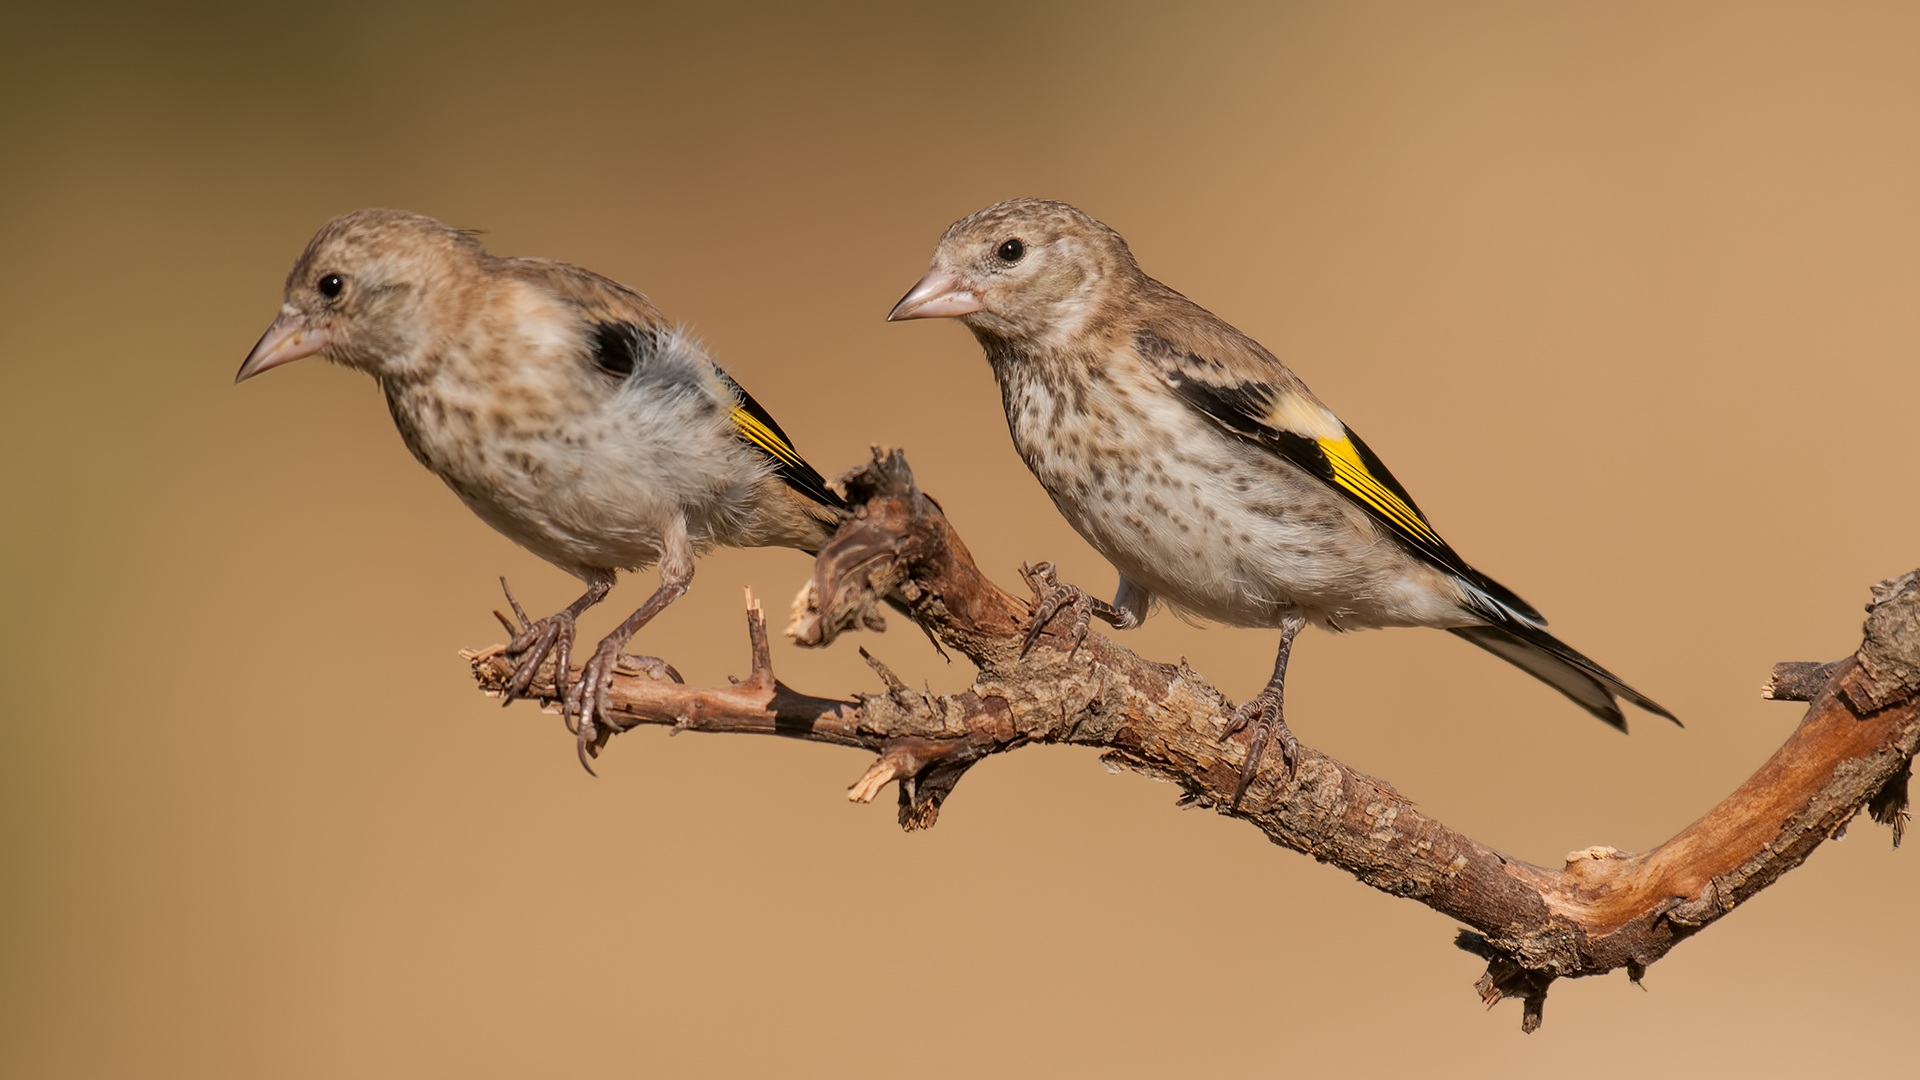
(1605, 909)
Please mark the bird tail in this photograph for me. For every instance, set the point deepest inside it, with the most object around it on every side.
(821, 521)
(1557, 664)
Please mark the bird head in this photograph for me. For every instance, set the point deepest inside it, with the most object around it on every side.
(1024, 269)
(360, 293)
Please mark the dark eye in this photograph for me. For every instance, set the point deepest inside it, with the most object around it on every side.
(1012, 251)
(330, 285)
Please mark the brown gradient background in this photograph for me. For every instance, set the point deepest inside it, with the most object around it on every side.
(1625, 293)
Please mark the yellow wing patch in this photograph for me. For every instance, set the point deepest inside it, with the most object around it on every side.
(1350, 473)
(764, 437)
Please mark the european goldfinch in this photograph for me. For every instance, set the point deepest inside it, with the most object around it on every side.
(1203, 468)
(560, 407)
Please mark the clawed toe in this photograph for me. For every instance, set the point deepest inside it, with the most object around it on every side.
(533, 641)
(1051, 597)
(1269, 725)
(551, 636)
(651, 666)
(588, 699)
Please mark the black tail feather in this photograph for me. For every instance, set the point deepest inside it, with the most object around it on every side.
(1560, 666)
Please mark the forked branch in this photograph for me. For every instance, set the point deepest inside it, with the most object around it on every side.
(1605, 909)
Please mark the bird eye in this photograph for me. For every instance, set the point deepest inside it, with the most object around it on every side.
(1012, 251)
(330, 285)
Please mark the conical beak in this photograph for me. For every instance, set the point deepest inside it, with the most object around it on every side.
(939, 295)
(287, 340)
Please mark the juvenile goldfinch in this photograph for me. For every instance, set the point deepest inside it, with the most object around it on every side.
(1203, 468)
(563, 409)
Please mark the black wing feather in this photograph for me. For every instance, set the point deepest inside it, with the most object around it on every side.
(787, 462)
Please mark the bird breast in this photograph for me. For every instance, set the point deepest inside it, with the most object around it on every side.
(582, 470)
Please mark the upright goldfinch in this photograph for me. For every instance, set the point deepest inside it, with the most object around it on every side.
(560, 407)
(1203, 468)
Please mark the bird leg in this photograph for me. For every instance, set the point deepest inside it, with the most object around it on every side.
(534, 640)
(1132, 601)
(588, 699)
(1266, 711)
(1050, 597)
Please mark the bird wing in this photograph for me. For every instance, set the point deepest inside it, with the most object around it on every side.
(620, 348)
(1279, 415)
(624, 328)
(757, 428)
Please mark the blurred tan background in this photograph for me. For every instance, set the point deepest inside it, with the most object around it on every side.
(1624, 293)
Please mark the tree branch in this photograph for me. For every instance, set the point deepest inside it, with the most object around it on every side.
(1605, 909)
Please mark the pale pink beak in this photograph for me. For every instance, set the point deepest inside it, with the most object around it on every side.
(937, 296)
(287, 340)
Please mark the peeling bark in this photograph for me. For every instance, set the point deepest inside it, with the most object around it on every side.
(1605, 909)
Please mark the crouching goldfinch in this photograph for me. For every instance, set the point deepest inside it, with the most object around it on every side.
(560, 407)
(1203, 468)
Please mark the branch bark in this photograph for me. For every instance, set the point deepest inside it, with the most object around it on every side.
(1605, 909)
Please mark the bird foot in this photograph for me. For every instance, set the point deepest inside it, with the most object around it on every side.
(532, 642)
(588, 699)
(1265, 714)
(1051, 596)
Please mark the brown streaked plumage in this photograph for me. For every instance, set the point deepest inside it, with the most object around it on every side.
(562, 409)
(1202, 467)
